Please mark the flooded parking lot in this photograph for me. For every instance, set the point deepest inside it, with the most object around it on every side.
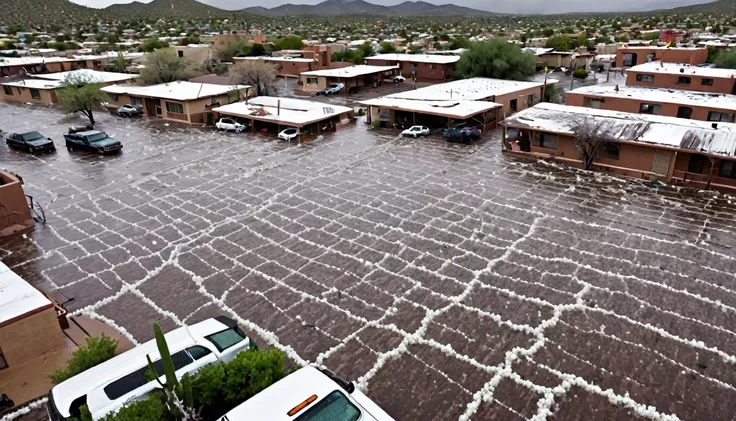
(449, 281)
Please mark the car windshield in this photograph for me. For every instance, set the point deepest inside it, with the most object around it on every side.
(227, 338)
(31, 136)
(97, 137)
(290, 131)
(335, 407)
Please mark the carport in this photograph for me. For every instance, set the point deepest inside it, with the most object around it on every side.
(394, 112)
(351, 77)
(272, 114)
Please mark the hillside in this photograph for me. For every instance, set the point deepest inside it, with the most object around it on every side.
(43, 12)
(361, 7)
(720, 7)
(159, 8)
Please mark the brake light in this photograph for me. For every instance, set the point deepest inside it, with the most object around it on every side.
(301, 406)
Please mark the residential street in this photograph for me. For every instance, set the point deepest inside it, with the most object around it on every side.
(448, 281)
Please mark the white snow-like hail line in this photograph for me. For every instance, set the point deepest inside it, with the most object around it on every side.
(25, 410)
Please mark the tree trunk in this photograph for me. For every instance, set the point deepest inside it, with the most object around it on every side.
(90, 116)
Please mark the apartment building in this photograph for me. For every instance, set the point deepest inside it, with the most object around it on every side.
(682, 77)
(628, 56)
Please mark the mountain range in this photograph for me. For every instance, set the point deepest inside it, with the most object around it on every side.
(361, 7)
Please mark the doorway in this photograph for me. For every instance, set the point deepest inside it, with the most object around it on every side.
(661, 162)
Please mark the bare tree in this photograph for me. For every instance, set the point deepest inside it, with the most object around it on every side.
(256, 73)
(589, 139)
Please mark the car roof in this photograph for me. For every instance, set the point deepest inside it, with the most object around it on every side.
(67, 391)
(276, 401)
(88, 132)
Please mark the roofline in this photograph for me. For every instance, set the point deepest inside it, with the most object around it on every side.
(279, 122)
(628, 142)
(165, 97)
(26, 315)
(644, 99)
(439, 114)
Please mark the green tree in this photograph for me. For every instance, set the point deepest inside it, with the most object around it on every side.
(163, 66)
(234, 48)
(81, 94)
(726, 59)
(459, 42)
(495, 58)
(387, 47)
(152, 44)
(257, 50)
(559, 43)
(365, 49)
(289, 42)
(97, 350)
(548, 32)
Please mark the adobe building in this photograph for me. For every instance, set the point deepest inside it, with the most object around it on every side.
(425, 67)
(352, 76)
(683, 77)
(221, 40)
(10, 66)
(273, 114)
(628, 56)
(15, 215)
(511, 94)
(41, 88)
(667, 102)
(186, 102)
(28, 323)
(286, 66)
(392, 112)
(694, 153)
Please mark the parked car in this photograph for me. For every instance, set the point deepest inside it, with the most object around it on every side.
(289, 134)
(129, 110)
(399, 79)
(106, 387)
(309, 394)
(92, 141)
(32, 142)
(416, 131)
(332, 89)
(230, 124)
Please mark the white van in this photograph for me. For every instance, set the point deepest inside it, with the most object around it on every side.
(106, 387)
(309, 394)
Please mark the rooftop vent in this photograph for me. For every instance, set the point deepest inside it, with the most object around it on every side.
(714, 125)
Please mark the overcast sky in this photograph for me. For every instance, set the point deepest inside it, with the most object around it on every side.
(502, 6)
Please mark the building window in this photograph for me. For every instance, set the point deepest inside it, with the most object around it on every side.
(650, 109)
(727, 169)
(8, 90)
(545, 140)
(629, 59)
(609, 150)
(696, 164)
(684, 112)
(683, 80)
(530, 100)
(644, 78)
(706, 81)
(650, 57)
(35, 94)
(716, 116)
(136, 101)
(180, 53)
(513, 105)
(213, 100)
(174, 107)
(595, 103)
(114, 97)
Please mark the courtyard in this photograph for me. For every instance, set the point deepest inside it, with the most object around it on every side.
(449, 281)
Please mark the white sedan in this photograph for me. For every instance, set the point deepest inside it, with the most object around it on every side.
(289, 134)
(399, 79)
(416, 131)
(229, 124)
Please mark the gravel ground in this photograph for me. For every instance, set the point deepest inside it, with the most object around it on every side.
(449, 281)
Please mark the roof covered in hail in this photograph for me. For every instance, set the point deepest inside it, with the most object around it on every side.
(660, 95)
(473, 89)
(681, 69)
(668, 132)
(453, 109)
(18, 297)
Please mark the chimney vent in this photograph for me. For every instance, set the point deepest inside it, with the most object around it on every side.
(714, 125)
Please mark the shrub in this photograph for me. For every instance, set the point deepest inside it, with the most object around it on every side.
(252, 371)
(97, 350)
(152, 409)
(580, 73)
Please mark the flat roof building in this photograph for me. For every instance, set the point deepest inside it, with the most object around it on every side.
(352, 76)
(272, 114)
(667, 102)
(512, 95)
(392, 112)
(695, 153)
(28, 324)
(627, 56)
(285, 65)
(41, 88)
(180, 101)
(682, 76)
(424, 67)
